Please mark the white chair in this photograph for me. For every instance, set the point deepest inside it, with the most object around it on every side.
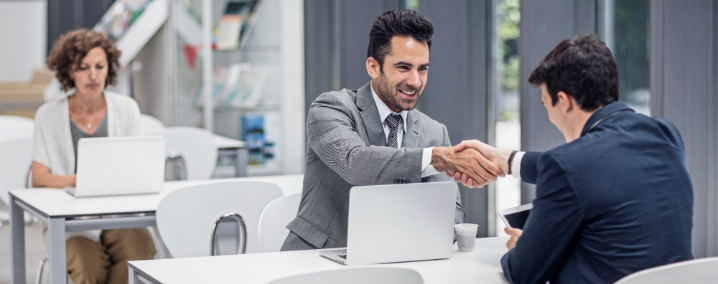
(15, 169)
(698, 271)
(358, 275)
(274, 220)
(290, 184)
(196, 147)
(187, 217)
(15, 163)
(150, 125)
(14, 127)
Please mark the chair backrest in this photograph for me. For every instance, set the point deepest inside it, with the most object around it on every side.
(15, 162)
(16, 127)
(358, 275)
(150, 125)
(290, 184)
(186, 217)
(197, 148)
(698, 271)
(274, 220)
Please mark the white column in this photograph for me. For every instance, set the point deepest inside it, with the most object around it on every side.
(207, 68)
(292, 105)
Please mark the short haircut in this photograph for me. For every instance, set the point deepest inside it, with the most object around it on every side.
(398, 22)
(67, 54)
(581, 67)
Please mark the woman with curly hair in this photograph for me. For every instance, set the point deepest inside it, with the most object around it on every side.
(87, 61)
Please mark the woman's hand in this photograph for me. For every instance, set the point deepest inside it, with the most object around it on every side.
(42, 177)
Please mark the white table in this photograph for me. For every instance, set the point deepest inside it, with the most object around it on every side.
(481, 266)
(228, 143)
(226, 149)
(62, 212)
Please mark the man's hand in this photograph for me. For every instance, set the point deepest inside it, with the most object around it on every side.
(498, 157)
(515, 235)
(469, 162)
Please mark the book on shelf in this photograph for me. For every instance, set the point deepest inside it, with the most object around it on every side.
(261, 132)
(219, 76)
(249, 88)
(120, 16)
(237, 17)
(238, 86)
(228, 32)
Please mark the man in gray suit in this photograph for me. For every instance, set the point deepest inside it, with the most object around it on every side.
(373, 135)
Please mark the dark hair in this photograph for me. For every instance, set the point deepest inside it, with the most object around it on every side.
(398, 22)
(581, 67)
(68, 52)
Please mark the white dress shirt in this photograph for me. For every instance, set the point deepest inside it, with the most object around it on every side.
(516, 164)
(384, 111)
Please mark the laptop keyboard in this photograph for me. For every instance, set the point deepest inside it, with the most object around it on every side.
(344, 256)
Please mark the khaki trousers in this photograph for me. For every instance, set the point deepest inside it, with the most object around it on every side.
(106, 262)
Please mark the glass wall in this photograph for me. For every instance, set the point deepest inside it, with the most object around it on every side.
(506, 71)
(411, 4)
(625, 26)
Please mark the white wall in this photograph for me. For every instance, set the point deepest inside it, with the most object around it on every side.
(23, 37)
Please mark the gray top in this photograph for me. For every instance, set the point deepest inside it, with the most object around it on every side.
(77, 133)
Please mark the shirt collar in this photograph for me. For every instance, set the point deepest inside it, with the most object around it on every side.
(384, 110)
(603, 113)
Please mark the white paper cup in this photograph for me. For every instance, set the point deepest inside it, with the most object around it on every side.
(466, 236)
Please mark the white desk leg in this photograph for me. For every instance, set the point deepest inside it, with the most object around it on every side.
(56, 245)
(17, 226)
(133, 276)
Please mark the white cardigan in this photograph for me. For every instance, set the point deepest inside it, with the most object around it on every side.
(53, 140)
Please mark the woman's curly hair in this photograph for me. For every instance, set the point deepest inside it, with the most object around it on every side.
(68, 52)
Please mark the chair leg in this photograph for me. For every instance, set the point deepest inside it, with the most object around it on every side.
(40, 268)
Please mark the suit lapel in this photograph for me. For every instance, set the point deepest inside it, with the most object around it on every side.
(370, 116)
(411, 137)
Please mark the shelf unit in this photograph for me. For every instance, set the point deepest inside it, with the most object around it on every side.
(141, 31)
(166, 78)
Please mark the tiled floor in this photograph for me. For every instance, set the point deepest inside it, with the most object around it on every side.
(33, 248)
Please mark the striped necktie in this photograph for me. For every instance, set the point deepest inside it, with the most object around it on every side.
(393, 121)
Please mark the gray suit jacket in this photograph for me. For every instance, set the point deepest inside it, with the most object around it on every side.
(346, 146)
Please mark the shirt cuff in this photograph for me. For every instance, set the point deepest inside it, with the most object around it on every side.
(426, 168)
(516, 164)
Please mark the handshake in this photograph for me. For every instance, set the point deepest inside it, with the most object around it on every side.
(471, 162)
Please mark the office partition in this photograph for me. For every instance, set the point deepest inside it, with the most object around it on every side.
(684, 90)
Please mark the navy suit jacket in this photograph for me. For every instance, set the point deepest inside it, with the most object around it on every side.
(614, 201)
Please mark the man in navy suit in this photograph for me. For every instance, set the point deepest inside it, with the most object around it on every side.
(613, 200)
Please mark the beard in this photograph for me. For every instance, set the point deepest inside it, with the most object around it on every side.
(391, 94)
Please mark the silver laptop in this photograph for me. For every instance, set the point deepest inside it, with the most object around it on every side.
(396, 223)
(119, 166)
